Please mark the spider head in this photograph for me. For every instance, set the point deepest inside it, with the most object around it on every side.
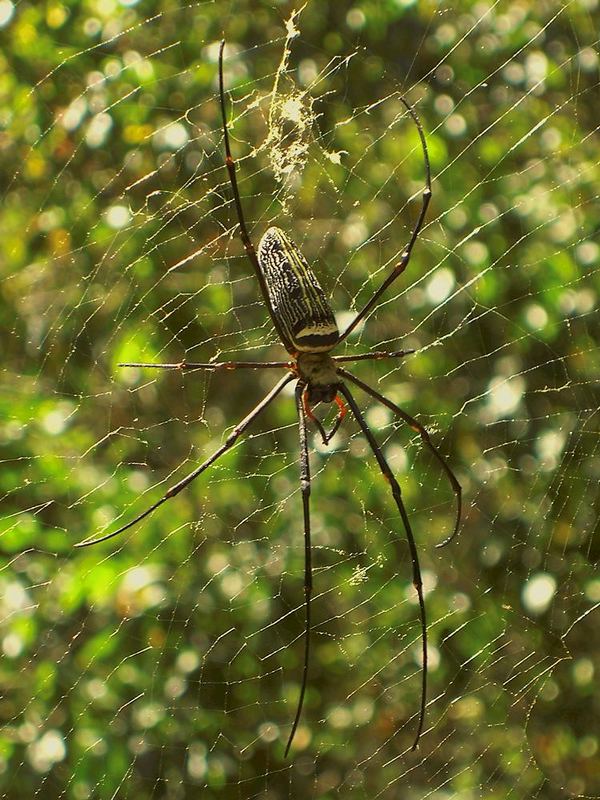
(322, 394)
(319, 372)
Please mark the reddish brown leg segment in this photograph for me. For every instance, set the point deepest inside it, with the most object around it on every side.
(342, 411)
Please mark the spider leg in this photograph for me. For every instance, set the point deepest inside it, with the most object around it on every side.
(375, 355)
(417, 582)
(416, 426)
(248, 246)
(405, 257)
(308, 412)
(211, 365)
(305, 488)
(342, 411)
(176, 488)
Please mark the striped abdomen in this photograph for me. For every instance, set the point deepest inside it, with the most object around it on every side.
(296, 296)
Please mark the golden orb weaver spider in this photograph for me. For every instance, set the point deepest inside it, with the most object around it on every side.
(304, 321)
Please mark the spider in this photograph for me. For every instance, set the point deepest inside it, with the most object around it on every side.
(304, 321)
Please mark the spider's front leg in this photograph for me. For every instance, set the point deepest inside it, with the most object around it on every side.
(426, 439)
(178, 487)
(414, 557)
(305, 489)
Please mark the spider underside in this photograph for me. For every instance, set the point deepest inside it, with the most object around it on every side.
(305, 323)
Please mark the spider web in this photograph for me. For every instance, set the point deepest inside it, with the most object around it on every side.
(166, 662)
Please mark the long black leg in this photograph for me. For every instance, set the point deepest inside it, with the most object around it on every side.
(210, 365)
(248, 246)
(174, 490)
(416, 426)
(417, 582)
(405, 258)
(305, 488)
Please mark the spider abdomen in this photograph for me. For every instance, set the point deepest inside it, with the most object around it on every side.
(296, 296)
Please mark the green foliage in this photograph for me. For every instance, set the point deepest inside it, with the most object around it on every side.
(166, 663)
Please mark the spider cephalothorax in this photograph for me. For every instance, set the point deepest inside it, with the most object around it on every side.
(319, 372)
(304, 321)
(320, 382)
